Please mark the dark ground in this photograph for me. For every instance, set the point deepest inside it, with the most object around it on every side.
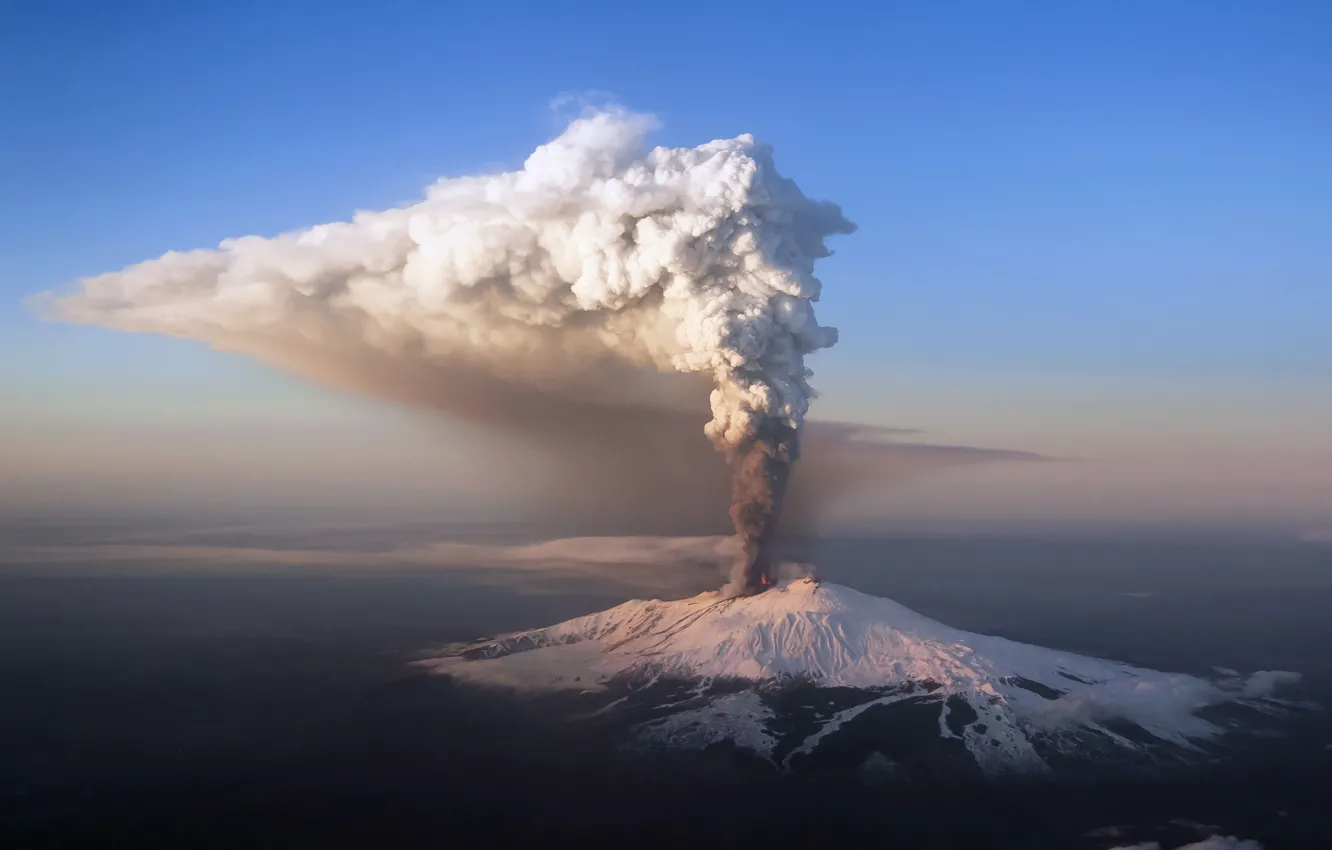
(275, 708)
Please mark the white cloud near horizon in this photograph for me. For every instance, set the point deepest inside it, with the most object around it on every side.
(645, 563)
(1214, 842)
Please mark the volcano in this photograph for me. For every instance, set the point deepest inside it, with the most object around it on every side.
(806, 666)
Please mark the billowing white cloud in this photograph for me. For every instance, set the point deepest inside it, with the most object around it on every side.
(541, 299)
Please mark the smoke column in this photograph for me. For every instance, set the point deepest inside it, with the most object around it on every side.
(549, 299)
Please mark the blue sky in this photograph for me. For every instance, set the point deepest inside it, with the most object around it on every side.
(1116, 206)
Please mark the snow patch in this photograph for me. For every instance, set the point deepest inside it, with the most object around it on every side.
(837, 720)
(739, 718)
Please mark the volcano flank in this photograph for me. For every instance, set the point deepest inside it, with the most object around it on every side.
(791, 670)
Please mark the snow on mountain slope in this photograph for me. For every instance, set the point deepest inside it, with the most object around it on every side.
(831, 635)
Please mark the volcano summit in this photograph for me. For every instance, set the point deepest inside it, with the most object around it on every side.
(791, 671)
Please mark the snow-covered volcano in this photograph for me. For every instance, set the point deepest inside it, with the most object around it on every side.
(1009, 704)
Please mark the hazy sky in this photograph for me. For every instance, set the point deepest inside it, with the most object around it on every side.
(1096, 230)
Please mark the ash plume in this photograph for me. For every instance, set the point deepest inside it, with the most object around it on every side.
(589, 289)
(760, 470)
